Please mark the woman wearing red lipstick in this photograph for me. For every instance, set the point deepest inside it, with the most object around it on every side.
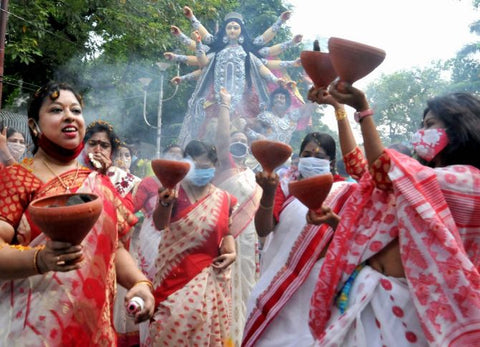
(53, 293)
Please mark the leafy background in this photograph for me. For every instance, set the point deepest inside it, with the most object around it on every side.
(104, 47)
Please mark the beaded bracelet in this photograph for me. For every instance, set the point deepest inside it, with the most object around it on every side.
(340, 114)
(147, 282)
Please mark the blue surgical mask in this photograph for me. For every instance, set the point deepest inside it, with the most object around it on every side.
(201, 177)
(312, 166)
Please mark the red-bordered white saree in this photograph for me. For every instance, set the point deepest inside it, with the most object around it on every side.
(277, 313)
(193, 299)
(435, 215)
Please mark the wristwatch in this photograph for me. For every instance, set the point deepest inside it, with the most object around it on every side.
(358, 116)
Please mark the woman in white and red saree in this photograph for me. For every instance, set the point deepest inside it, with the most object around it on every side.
(192, 283)
(291, 259)
(102, 145)
(233, 176)
(402, 268)
(53, 293)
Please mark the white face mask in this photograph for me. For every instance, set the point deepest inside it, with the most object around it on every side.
(311, 166)
(16, 149)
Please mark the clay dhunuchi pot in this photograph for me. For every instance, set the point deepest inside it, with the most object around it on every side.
(353, 60)
(66, 217)
(318, 67)
(170, 172)
(270, 154)
(312, 191)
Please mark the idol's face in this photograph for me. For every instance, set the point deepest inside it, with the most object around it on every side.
(233, 30)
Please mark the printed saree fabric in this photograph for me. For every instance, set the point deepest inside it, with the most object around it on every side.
(124, 182)
(242, 184)
(295, 253)
(145, 248)
(434, 213)
(193, 299)
(62, 309)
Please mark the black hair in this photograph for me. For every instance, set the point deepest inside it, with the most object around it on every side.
(127, 146)
(172, 145)
(326, 142)
(50, 90)
(11, 131)
(460, 112)
(281, 90)
(197, 148)
(102, 126)
(218, 44)
(323, 140)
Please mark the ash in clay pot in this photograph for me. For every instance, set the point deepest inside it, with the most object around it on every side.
(66, 217)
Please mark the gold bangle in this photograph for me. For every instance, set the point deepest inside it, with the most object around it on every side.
(340, 114)
(147, 282)
(35, 259)
(266, 207)
(224, 105)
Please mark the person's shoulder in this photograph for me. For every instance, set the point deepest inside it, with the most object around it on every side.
(16, 170)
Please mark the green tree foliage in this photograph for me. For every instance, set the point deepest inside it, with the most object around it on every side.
(104, 46)
(399, 100)
(465, 66)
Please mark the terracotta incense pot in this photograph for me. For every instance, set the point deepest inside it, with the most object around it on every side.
(270, 154)
(170, 172)
(353, 60)
(66, 217)
(312, 191)
(318, 67)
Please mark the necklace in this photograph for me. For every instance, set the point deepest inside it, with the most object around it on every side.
(67, 187)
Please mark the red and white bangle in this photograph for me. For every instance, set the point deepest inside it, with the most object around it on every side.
(358, 116)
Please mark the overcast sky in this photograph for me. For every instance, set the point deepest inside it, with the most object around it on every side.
(412, 32)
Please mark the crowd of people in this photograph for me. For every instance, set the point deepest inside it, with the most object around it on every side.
(229, 257)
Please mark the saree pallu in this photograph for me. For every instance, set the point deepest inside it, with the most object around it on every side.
(72, 308)
(435, 215)
(279, 303)
(245, 269)
(144, 249)
(380, 313)
(193, 299)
